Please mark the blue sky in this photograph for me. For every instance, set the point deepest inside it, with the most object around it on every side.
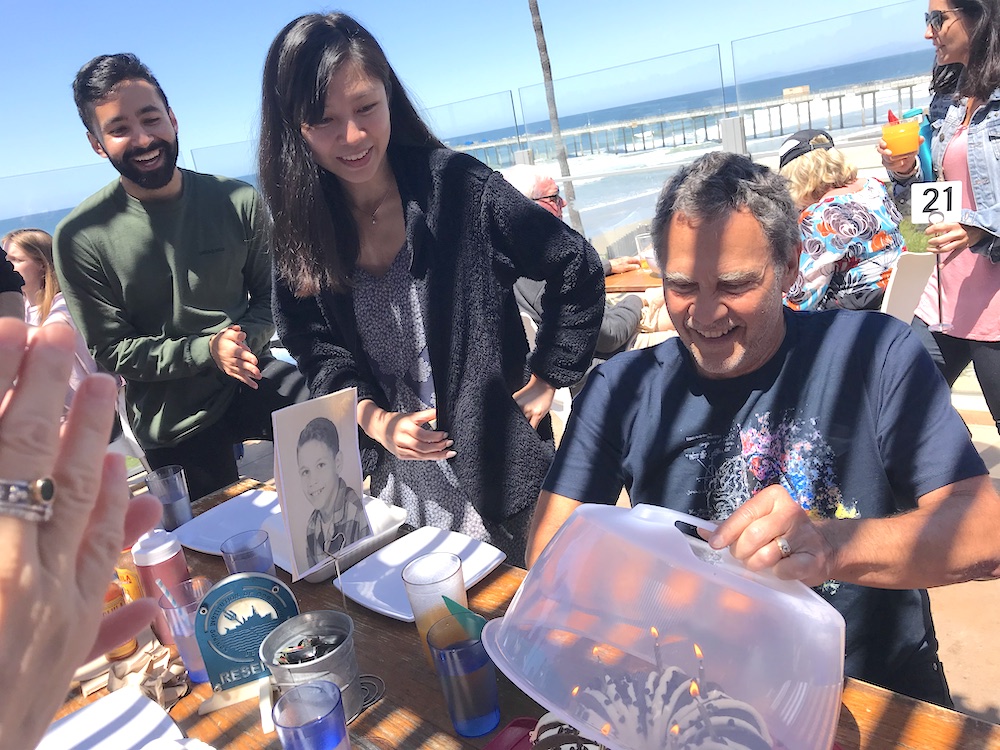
(208, 54)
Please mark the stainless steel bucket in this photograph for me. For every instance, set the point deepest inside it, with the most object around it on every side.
(340, 666)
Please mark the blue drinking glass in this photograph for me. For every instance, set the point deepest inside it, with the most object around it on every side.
(311, 717)
(467, 675)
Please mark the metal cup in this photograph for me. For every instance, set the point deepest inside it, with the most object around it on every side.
(339, 666)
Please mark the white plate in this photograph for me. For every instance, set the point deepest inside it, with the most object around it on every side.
(207, 531)
(122, 720)
(377, 583)
(260, 509)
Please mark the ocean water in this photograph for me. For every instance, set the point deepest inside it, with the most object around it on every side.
(825, 79)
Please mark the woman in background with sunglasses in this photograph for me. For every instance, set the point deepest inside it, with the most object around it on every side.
(965, 117)
(395, 260)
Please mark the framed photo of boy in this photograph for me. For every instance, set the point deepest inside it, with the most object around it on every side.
(318, 476)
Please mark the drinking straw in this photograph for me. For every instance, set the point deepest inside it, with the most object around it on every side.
(189, 629)
(167, 594)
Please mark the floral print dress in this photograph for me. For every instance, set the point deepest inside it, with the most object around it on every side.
(850, 244)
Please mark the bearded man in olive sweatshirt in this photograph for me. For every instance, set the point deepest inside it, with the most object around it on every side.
(167, 274)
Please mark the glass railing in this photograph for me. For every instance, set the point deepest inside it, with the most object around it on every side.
(670, 101)
(611, 203)
(485, 127)
(237, 160)
(41, 199)
(842, 74)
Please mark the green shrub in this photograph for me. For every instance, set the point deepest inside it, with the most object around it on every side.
(916, 240)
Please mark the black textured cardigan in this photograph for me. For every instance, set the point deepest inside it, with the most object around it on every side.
(472, 235)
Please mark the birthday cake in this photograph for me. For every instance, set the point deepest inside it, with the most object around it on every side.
(551, 734)
(669, 709)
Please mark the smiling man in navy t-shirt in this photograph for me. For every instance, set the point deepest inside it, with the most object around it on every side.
(827, 440)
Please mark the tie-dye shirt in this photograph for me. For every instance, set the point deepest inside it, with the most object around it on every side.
(850, 416)
(850, 244)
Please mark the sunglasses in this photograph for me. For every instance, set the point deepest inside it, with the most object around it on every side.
(555, 197)
(935, 19)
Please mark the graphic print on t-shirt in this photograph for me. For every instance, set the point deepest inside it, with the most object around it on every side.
(791, 452)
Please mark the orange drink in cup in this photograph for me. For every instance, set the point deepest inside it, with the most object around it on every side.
(902, 137)
(427, 579)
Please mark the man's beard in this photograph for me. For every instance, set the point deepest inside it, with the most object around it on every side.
(155, 179)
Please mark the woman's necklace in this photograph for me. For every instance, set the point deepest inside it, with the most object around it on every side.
(375, 212)
(970, 109)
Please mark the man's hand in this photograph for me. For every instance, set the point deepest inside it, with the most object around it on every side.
(753, 530)
(621, 265)
(53, 574)
(233, 356)
(535, 399)
(404, 435)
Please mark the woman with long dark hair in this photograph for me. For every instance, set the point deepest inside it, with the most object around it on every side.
(394, 264)
(965, 116)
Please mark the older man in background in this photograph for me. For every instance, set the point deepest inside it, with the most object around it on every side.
(629, 323)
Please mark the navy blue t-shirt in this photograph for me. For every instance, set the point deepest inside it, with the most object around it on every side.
(850, 415)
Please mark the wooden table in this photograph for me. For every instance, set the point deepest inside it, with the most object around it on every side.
(412, 714)
(638, 280)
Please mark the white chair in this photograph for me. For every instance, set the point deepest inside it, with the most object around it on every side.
(562, 402)
(906, 285)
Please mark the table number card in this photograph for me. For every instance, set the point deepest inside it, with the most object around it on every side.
(936, 202)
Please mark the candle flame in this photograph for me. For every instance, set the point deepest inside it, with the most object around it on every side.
(575, 690)
(697, 651)
(675, 730)
(606, 730)
(695, 692)
(654, 632)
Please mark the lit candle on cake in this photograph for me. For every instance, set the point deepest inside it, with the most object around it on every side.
(701, 664)
(696, 694)
(674, 731)
(656, 648)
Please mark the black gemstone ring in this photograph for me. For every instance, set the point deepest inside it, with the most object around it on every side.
(30, 501)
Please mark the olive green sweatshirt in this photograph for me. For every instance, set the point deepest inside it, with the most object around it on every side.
(148, 283)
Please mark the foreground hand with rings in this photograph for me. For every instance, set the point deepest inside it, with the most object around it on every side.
(770, 530)
(53, 573)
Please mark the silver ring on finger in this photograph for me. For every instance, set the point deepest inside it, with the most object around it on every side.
(27, 500)
(783, 546)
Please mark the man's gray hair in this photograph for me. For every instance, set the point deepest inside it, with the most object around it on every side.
(715, 185)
